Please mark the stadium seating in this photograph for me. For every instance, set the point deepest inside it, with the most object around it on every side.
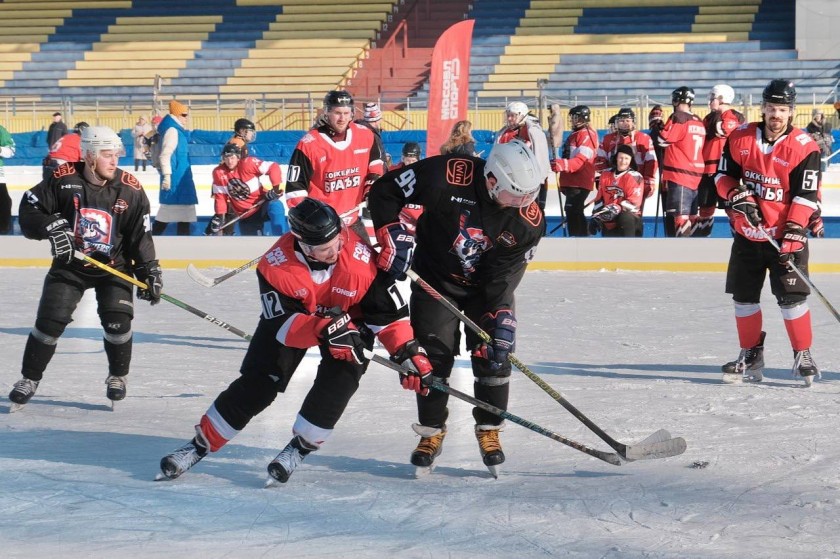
(211, 49)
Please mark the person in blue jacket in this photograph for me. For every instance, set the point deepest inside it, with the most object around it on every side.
(177, 187)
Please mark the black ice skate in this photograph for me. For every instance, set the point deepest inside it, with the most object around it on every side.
(175, 464)
(283, 466)
(429, 448)
(490, 447)
(805, 367)
(748, 367)
(116, 389)
(21, 393)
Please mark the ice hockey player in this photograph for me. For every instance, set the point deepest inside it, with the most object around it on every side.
(244, 132)
(95, 208)
(577, 168)
(770, 174)
(474, 240)
(319, 287)
(620, 192)
(521, 125)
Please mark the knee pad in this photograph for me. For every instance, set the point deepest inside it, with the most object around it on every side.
(791, 300)
(117, 327)
(487, 376)
(48, 331)
(439, 354)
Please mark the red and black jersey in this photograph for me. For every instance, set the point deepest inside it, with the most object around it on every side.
(784, 176)
(302, 296)
(332, 171)
(579, 151)
(248, 171)
(467, 245)
(67, 149)
(112, 223)
(627, 186)
(643, 153)
(719, 125)
(683, 138)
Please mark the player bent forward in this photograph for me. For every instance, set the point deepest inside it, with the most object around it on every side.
(319, 287)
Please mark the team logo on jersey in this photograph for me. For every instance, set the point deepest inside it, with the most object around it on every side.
(64, 170)
(470, 244)
(94, 227)
(130, 180)
(459, 172)
(532, 214)
(301, 293)
(506, 239)
(275, 257)
(120, 206)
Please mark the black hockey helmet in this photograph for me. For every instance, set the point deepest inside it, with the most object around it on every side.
(313, 222)
(580, 112)
(682, 95)
(411, 149)
(779, 92)
(80, 126)
(232, 149)
(626, 112)
(337, 99)
(243, 124)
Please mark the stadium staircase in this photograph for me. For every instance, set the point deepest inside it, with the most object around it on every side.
(114, 49)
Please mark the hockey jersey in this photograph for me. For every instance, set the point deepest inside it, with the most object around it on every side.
(683, 138)
(719, 125)
(577, 167)
(643, 154)
(247, 172)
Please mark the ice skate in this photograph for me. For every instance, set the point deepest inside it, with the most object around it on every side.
(805, 367)
(490, 447)
(429, 448)
(748, 367)
(116, 389)
(21, 393)
(283, 466)
(175, 464)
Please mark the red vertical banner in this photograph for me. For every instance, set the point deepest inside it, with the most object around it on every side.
(449, 84)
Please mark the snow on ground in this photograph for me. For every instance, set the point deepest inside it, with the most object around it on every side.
(635, 352)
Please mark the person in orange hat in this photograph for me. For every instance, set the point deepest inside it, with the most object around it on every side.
(177, 187)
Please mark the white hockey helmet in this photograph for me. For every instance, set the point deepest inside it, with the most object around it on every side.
(99, 138)
(519, 110)
(517, 174)
(722, 92)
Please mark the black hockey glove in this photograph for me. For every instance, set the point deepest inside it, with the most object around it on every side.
(397, 249)
(413, 357)
(62, 242)
(238, 190)
(273, 194)
(794, 242)
(743, 201)
(501, 325)
(215, 225)
(151, 274)
(344, 340)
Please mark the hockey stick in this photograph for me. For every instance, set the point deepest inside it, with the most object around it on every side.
(199, 313)
(207, 281)
(609, 457)
(656, 215)
(247, 213)
(799, 273)
(663, 449)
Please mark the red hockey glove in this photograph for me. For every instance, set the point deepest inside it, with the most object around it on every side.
(793, 243)
(560, 165)
(413, 357)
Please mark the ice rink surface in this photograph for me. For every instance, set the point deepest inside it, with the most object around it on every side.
(634, 351)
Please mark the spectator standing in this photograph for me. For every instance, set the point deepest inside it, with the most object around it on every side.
(577, 168)
(336, 161)
(177, 187)
(521, 125)
(719, 123)
(237, 190)
(644, 156)
(682, 165)
(770, 174)
(7, 151)
(98, 209)
(820, 130)
(56, 130)
(621, 193)
(460, 140)
(141, 128)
